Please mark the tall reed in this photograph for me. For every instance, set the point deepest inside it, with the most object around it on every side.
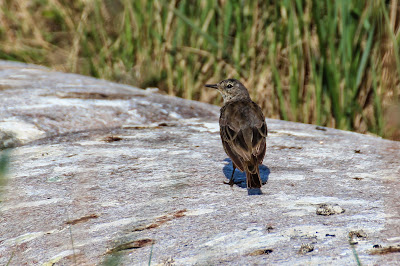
(332, 63)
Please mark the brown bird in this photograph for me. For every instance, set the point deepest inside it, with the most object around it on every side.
(243, 131)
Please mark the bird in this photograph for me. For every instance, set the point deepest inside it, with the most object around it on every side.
(243, 132)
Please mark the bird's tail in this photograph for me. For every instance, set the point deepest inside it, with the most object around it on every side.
(253, 176)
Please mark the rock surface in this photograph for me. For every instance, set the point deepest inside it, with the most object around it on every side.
(104, 172)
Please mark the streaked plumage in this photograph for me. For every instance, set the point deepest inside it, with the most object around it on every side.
(243, 130)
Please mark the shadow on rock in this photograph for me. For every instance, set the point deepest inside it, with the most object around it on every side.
(240, 177)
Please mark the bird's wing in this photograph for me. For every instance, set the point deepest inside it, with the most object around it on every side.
(233, 155)
(260, 132)
(243, 132)
(259, 144)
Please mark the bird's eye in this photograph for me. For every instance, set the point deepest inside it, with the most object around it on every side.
(229, 86)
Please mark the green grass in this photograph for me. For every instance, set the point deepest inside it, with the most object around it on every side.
(4, 161)
(331, 63)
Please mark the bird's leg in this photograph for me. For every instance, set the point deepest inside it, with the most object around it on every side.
(231, 180)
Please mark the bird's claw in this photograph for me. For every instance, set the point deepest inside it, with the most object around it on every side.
(231, 183)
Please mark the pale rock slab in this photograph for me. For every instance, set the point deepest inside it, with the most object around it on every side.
(103, 171)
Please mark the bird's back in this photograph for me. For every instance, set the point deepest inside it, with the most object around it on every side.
(243, 132)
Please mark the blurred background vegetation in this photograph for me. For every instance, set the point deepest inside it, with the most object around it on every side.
(331, 63)
(4, 158)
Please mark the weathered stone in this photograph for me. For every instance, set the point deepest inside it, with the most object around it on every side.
(327, 209)
(306, 248)
(357, 235)
(107, 172)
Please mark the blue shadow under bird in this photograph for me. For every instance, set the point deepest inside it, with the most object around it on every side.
(239, 178)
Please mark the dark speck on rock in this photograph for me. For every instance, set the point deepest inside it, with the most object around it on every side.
(261, 252)
(269, 228)
(112, 138)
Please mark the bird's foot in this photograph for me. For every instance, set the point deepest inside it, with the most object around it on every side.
(231, 182)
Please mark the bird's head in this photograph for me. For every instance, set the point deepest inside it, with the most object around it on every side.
(230, 89)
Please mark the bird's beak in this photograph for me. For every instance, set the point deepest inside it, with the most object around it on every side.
(215, 86)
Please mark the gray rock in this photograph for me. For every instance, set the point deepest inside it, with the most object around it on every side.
(105, 172)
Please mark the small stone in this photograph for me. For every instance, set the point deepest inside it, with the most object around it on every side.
(354, 236)
(305, 248)
(358, 234)
(327, 209)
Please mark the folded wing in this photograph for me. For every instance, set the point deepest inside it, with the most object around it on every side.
(243, 132)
